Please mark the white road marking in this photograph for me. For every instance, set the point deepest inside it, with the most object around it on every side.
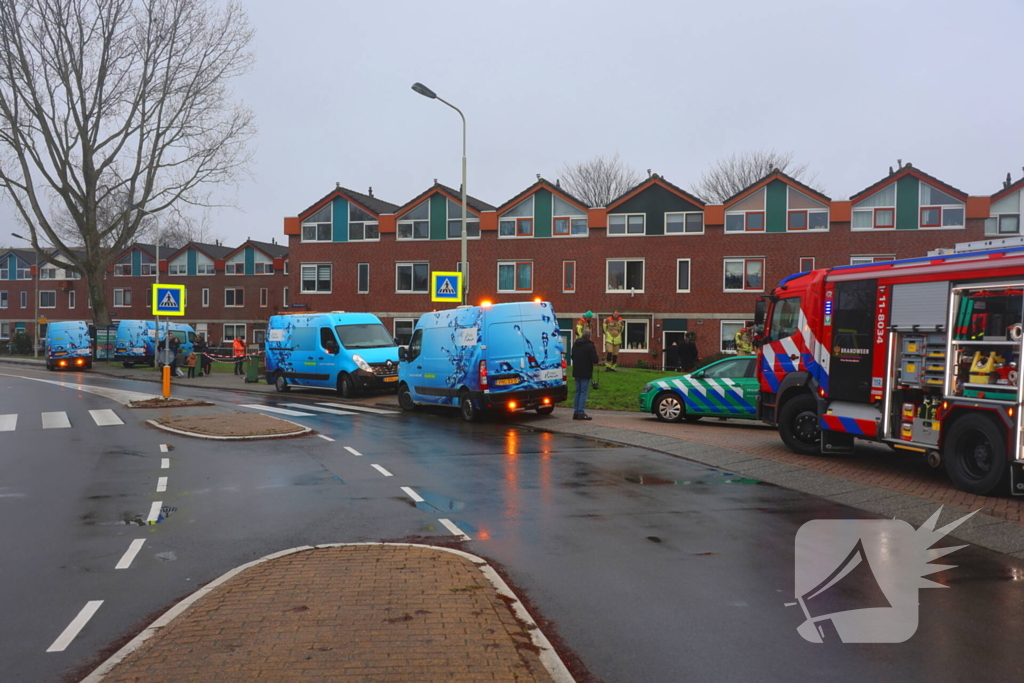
(56, 420)
(454, 529)
(164, 448)
(412, 494)
(325, 438)
(161, 484)
(272, 409)
(154, 512)
(352, 450)
(105, 417)
(165, 463)
(318, 409)
(364, 409)
(76, 625)
(8, 422)
(382, 470)
(113, 394)
(129, 555)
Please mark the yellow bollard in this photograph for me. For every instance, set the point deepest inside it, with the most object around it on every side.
(167, 381)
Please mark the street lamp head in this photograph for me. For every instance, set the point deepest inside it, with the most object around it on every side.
(14, 234)
(424, 90)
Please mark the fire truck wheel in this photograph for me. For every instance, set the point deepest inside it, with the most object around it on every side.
(798, 425)
(975, 455)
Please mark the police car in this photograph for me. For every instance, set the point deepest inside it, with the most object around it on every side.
(727, 388)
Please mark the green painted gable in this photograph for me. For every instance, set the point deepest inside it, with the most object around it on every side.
(438, 217)
(136, 262)
(655, 202)
(192, 261)
(339, 224)
(250, 261)
(542, 208)
(907, 199)
(775, 203)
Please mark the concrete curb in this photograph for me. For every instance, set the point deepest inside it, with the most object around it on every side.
(549, 658)
(182, 432)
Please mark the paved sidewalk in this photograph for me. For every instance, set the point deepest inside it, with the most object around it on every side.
(370, 613)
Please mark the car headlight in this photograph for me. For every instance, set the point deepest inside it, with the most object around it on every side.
(647, 387)
(363, 365)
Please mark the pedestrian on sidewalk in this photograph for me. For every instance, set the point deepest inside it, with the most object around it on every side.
(584, 358)
(190, 363)
(175, 346)
(201, 347)
(238, 345)
(613, 327)
(688, 354)
(672, 356)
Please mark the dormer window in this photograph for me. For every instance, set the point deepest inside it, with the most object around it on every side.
(362, 226)
(1004, 216)
(317, 228)
(805, 213)
(939, 209)
(877, 211)
(568, 220)
(455, 221)
(415, 223)
(517, 221)
(746, 215)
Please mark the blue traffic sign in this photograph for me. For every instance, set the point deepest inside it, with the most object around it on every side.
(446, 287)
(169, 300)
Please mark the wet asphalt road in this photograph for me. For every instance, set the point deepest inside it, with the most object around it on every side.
(651, 568)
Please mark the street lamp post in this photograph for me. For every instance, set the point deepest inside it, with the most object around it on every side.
(35, 342)
(464, 262)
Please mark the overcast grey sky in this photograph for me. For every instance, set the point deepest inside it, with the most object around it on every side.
(669, 85)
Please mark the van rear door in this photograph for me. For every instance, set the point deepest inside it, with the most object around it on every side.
(507, 366)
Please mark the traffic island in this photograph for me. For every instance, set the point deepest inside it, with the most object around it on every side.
(168, 403)
(230, 427)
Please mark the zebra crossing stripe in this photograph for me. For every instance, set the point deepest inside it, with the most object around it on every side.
(8, 423)
(58, 420)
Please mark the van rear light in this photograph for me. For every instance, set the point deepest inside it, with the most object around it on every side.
(565, 376)
(483, 375)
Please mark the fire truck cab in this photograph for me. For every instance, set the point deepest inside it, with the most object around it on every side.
(921, 354)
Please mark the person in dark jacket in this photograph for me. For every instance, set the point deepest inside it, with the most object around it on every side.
(584, 358)
(672, 356)
(688, 354)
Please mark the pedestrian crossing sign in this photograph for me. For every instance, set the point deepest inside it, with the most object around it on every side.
(446, 287)
(169, 300)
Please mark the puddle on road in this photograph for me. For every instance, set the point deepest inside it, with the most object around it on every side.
(722, 478)
(169, 556)
(433, 502)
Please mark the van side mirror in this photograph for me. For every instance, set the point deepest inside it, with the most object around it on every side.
(331, 347)
(403, 353)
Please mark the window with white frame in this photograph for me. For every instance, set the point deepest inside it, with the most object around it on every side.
(940, 209)
(204, 265)
(123, 266)
(866, 259)
(148, 268)
(747, 215)
(805, 213)
(235, 265)
(178, 266)
(455, 222)
(285, 299)
(877, 212)
(71, 298)
(684, 223)
(206, 297)
(363, 278)
(517, 221)
(71, 274)
(5, 330)
(5, 271)
(48, 299)
(3, 299)
(48, 273)
(568, 277)
(682, 275)
(316, 278)
(744, 275)
(362, 226)
(263, 264)
(286, 266)
(122, 298)
(414, 224)
(23, 271)
(515, 276)
(568, 219)
(403, 330)
(636, 336)
(317, 228)
(234, 297)
(728, 330)
(232, 330)
(624, 275)
(23, 299)
(620, 224)
(412, 278)
(1004, 217)
(806, 264)
(264, 297)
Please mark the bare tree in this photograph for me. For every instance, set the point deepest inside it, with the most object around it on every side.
(599, 180)
(728, 176)
(178, 229)
(111, 103)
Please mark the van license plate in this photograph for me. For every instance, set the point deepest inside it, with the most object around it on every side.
(506, 382)
(393, 378)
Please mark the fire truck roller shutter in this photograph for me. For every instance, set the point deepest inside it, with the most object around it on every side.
(924, 304)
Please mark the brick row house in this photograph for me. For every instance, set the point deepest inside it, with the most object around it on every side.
(668, 262)
(229, 290)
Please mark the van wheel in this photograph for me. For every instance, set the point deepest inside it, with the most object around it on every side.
(346, 388)
(545, 410)
(470, 413)
(669, 408)
(128, 365)
(798, 425)
(281, 382)
(975, 455)
(405, 401)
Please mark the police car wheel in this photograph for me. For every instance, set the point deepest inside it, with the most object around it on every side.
(280, 382)
(405, 401)
(346, 388)
(668, 407)
(470, 413)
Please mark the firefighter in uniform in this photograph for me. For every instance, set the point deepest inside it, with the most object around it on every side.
(613, 328)
(744, 342)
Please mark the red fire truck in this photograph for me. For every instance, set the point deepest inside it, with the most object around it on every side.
(921, 354)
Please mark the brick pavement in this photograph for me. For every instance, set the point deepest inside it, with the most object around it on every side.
(369, 613)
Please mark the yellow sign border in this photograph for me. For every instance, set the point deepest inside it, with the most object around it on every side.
(458, 287)
(165, 287)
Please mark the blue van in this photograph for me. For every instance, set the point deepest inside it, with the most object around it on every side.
(347, 352)
(136, 340)
(507, 356)
(68, 345)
